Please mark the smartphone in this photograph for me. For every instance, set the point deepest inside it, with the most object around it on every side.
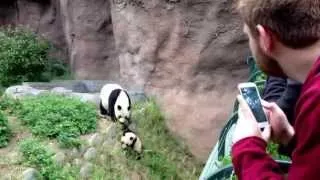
(250, 93)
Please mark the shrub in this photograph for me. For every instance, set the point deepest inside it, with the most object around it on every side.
(25, 57)
(57, 69)
(5, 131)
(60, 117)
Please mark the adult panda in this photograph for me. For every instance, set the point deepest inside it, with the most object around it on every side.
(115, 102)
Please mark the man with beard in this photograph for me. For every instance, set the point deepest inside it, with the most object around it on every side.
(284, 37)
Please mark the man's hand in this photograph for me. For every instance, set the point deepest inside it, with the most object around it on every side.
(282, 131)
(247, 125)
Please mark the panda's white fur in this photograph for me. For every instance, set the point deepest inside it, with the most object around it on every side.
(115, 102)
(130, 139)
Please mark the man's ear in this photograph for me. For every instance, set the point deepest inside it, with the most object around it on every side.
(265, 39)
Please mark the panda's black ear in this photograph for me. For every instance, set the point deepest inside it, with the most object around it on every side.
(112, 101)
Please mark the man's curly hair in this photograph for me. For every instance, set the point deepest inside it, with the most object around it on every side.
(296, 23)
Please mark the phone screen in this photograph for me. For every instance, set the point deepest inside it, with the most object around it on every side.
(250, 94)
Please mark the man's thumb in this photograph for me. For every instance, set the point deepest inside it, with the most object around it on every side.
(268, 105)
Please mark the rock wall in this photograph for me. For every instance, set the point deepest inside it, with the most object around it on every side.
(88, 30)
(189, 53)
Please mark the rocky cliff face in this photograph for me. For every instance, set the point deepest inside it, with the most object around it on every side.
(190, 53)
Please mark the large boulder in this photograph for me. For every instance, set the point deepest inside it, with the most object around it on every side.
(30, 174)
(19, 91)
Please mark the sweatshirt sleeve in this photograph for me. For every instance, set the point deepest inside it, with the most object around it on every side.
(306, 155)
(251, 161)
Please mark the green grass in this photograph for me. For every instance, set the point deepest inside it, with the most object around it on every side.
(5, 131)
(54, 116)
(37, 155)
(166, 156)
(163, 157)
(9, 105)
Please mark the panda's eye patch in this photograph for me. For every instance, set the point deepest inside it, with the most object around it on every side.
(119, 107)
(129, 108)
(131, 138)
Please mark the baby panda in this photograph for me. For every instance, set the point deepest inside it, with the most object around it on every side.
(115, 102)
(131, 140)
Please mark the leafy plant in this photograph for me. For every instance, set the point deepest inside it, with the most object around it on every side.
(36, 155)
(56, 69)
(5, 131)
(272, 149)
(25, 57)
(60, 117)
(9, 104)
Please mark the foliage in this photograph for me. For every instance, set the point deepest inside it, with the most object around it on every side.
(158, 140)
(2, 89)
(5, 132)
(166, 157)
(56, 69)
(58, 117)
(9, 104)
(36, 155)
(226, 160)
(25, 57)
(163, 156)
(272, 149)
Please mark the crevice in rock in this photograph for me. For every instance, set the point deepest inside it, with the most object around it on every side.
(136, 3)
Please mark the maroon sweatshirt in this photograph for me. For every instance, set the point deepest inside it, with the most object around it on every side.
(249, 155)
